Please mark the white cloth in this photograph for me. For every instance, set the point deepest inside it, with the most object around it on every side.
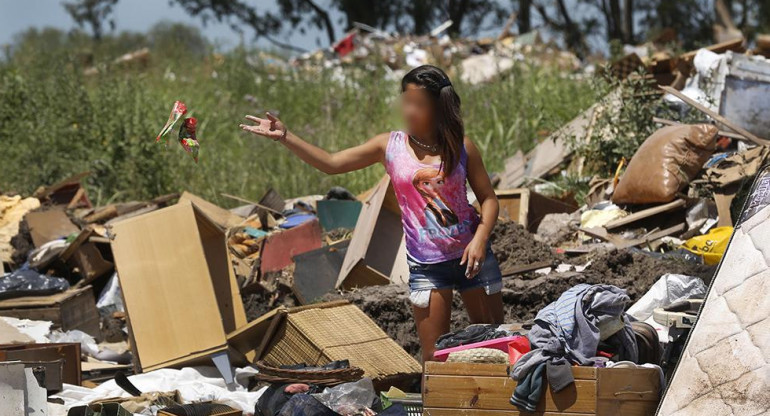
(195, 384)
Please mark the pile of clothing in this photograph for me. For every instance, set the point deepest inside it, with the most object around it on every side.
(586, 326)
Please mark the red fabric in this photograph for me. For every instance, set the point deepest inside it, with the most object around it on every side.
(345, 45)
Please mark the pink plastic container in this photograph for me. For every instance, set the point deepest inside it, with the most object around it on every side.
(515, 346)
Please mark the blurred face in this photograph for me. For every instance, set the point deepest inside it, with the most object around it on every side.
(417, 110)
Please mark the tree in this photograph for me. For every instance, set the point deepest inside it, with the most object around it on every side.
(93, 13)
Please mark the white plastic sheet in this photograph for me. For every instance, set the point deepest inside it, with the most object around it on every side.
(669, 289)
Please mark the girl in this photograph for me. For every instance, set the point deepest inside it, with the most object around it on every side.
(429, 164)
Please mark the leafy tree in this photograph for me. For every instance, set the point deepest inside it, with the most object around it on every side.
(94, 13)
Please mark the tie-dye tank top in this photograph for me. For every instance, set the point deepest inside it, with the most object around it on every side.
(438, 220)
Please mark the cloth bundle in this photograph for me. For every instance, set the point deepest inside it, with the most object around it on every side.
(568, 331)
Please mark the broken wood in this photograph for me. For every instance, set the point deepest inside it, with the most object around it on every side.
(621, 243)
(730, 45)
(246, 201)
(671, 206)
(718, 118)
(720, 132)
(529, 268)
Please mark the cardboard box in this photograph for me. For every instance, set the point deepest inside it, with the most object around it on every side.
(71, 309)
(528, 208)
(462, 388)
(45, 226)
(180, 293)
(376, 260)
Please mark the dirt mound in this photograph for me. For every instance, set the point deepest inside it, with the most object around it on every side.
(515, 246)
(525, 295)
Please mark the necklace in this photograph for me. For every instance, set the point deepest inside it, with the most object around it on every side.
(429, 147)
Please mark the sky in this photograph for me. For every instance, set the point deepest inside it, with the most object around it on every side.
(134, 15)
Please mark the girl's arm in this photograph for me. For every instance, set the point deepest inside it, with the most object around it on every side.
(354, 158)
(485, 195)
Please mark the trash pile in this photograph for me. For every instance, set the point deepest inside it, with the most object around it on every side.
(289, 305)
(473, 60)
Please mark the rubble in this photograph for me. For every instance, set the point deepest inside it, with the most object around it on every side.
(192, 297)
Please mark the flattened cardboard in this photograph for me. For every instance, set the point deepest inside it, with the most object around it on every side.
(377, 252)
(219, 215)
(45, 226)
(280, 247)
(180, 292)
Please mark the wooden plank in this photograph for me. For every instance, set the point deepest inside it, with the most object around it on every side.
(431, 411)
(620, 242)
(716, 116)
(494, 393)
(494, 370)
(730, 45)
(628, 219)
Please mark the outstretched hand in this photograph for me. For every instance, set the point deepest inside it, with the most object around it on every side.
(272, 128)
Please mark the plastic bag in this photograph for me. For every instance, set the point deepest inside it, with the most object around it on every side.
(28, 282)
(711, 245)
(111, 300)
(668, 289)
(349, 398)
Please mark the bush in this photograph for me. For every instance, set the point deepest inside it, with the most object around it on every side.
(55, 121)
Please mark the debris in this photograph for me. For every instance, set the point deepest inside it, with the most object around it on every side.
(528, 208)
(280, 247)
(645, 214)
(20, 391)
(380, 217)
(311, 335)
(65, 355)
(12, 211)
(733, 321)
(665, 163)
(72, 309)
(185, 263)
(335, 213)
(710, 246)
(315, 273)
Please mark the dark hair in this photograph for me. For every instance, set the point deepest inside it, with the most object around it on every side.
(449, 122)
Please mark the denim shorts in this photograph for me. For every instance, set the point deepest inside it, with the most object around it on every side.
(450, 274)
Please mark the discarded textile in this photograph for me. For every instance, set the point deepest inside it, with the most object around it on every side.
(28, 282)
(570, 329)
(194, 384)
(530, 389)
(470, 335)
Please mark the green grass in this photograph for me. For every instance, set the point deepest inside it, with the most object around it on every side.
(55, 121)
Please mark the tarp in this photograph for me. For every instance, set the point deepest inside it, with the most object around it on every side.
(725, 367)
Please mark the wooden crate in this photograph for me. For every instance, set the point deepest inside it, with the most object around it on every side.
(486, 389)
(528, 208)
(71, 309)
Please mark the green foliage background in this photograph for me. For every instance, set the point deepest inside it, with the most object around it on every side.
(55, 121)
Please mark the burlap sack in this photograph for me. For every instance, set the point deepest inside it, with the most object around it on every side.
(665, 163)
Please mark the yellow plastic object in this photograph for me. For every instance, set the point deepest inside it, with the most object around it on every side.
(711, 245)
